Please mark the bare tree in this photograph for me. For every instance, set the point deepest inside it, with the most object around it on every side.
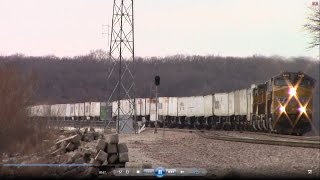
(313, 25)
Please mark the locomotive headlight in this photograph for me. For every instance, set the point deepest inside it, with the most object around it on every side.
(302, 109)
(282, 109)
(292, 91)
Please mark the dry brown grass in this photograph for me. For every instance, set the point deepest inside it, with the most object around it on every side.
(17, 133)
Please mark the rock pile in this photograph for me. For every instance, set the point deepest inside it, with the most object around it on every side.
(93, 149)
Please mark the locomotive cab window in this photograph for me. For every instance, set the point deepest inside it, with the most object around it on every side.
(306, 83)
(280, 82)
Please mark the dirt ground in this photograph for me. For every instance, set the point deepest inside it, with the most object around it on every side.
(185, 150)
(221, 158)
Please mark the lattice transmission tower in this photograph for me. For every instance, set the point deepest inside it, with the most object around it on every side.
(121, 78)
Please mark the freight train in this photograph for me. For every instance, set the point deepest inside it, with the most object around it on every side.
(283, 104)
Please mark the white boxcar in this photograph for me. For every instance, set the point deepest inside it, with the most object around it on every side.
(95, 109)
(87, 109)
(190, 106)
(231, 103)
(114, 108)
(138, 106)
(143, 107)
(195, 106)
(35, 111)
(72, 110)
(147, 112)
(250, 102)
(182, 106)
(41, 110)
(76, 109)
(220, 105)
(173, 106)
(68, 110)
(54, 110)
(208, 108)
(125, 107)
(153, 110)
(236, 102)
(62, 110)
(163, 106)
(81, 110)
(243, 102)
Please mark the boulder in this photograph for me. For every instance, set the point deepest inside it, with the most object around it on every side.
(70, 147)
(101, 156)
(63, 144)
(58, 151)
(91, 129)
(79, 161)
(105, 162)
(112, 158)
(95, 135)
(95, 162)
(74, 139)
(123, 157)
(101, 145)
(72, 156)
(112, 148)
(114, 139)
(122, 148)
(88, 137)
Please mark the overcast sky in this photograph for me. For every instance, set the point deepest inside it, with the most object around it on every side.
(162, 27)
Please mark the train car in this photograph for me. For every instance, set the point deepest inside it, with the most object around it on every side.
(138, 108)
(153, 112)
(195, 111)
(105, 111)
(147, 112)
(61, 114)
(172, 112)
(114, 109)
(40, 112)
(81, 112)
(87, 106)
(283, 104)
(95, 111)
(208, 111)
(76, 111)
(54, 111)
(68, 112)
(72, 111)
(163, 110)
(240, 108)
(182, 111)
(231, 117)
(220, 109)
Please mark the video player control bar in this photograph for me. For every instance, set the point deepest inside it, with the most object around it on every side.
(160, 172)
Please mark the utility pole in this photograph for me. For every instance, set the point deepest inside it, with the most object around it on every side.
(122, 59)
(157, 83)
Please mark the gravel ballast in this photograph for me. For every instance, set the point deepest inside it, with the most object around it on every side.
(221, 158)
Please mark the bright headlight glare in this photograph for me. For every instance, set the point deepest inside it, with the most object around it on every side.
(292, 91)
(282, 109)
(302, 109)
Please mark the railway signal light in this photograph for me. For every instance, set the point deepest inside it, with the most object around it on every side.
(157, 80)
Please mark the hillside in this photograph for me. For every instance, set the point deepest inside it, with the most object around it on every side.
(83, 78)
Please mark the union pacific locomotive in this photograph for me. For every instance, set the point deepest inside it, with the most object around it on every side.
(283, 104)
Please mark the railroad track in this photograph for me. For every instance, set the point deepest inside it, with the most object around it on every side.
(307, 138)
(212, 135)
